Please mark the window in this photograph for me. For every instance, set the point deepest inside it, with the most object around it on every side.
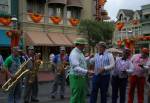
(120, 17)
(55, 10)
(36, 6)
(73, 12)
(4, 6)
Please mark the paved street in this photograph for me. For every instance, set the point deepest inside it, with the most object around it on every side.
(44, 95)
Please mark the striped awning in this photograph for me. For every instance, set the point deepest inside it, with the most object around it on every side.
(59, 39)
(37, 39)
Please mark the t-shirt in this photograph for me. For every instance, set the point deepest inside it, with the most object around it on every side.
(8, 61)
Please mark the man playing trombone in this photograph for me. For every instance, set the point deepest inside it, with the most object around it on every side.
(11, 65)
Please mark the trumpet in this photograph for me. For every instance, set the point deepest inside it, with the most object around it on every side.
(18, 75)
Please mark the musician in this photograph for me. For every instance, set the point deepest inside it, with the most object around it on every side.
(123, 67)
(148, 79)
(137, 79)
(1, 74)
(78, 72)
(31, 90)
(11, 64)
(102, 62)
(1, 61)
(59, 60)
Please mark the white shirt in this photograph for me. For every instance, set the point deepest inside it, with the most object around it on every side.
(77, 61)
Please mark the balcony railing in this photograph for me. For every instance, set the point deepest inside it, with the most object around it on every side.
(145, 20)
(51, 20)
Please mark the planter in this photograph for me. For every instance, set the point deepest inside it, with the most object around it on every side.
(127, 43)
(135, 22)
(74, 22)
(55, 19)
(5, 21)
(35, 17)
(119, 43)
(119, 25)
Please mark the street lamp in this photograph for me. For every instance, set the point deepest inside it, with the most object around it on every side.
(14, 22)
(16, 35)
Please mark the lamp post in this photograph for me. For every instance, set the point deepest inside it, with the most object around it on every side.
(14, 22)
(15, 34)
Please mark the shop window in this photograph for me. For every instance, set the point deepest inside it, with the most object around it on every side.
(36, 6)
(74, 12)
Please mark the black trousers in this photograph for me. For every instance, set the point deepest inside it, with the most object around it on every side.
(31, 89)
(118, 87)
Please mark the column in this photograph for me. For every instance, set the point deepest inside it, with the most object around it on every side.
(65, 15)
(46, 16)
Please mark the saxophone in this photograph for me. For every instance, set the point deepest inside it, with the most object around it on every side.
(22, 71)
(35, 70)
(62, 67)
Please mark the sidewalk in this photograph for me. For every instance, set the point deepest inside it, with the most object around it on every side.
(45, 76)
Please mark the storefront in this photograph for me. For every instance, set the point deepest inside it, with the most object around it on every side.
(4, 44)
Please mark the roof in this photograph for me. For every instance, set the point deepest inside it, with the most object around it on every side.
(59, 39)
(139, 12)
(38, 38)
(73, 37)
(128, 12)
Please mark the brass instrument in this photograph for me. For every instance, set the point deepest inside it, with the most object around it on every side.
(62, 67)
(18, 75)
(35, 70)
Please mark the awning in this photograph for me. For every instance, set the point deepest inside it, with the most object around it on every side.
(4, 40)
(73, 37)
(57, 2)
(38, 39)
(74, 3)
(59, 39)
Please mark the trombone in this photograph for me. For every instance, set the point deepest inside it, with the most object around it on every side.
(11, 82)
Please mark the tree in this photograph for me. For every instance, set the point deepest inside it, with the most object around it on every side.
(96, 31)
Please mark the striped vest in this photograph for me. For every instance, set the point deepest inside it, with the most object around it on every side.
(100, 62)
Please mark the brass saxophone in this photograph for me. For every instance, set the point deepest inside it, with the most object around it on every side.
(18, 75)
(62, 67)
(35, 70)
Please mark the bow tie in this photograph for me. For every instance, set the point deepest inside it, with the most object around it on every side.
(100, 53)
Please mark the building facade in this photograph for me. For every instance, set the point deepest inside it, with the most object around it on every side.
(45, 24)
(132, 28)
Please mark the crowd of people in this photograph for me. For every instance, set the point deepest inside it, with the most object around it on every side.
(10, 67)
(103, 68)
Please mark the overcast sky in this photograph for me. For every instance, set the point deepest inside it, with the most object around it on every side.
(113, 6)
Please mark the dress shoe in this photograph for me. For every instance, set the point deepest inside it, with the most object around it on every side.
(26, 102)
(53, 97)
(61, 97)
(34, 100)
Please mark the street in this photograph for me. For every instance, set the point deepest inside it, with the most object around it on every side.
(45, 97)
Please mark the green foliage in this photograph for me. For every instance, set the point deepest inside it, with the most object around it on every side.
(96, 31)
